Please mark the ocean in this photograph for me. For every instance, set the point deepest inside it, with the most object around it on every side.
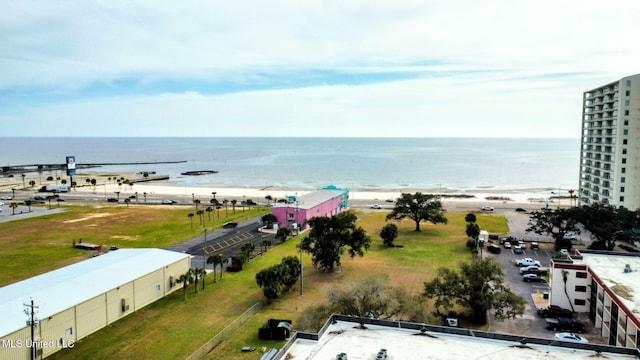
(360, 164)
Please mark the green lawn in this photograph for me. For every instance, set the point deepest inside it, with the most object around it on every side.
(172, 328)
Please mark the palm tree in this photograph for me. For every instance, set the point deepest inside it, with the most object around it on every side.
(197, 202)
(571, 191)
(198, 274)
(225, 202)
(217, 259)
(200, 216)
(265, 244)
(28, 203)
(23, 185)
(191, 218)
(565, 277)
(145, 196)
(209, 209)
(247, 249)
(233, 205)
(32, 183)
(94, 182)
(185, 279)
(268, 198)
(117, 194)
(127, 201)
(14, 206)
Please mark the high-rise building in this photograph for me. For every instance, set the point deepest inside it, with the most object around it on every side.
(610, 145)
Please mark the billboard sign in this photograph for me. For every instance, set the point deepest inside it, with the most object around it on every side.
(71, 165)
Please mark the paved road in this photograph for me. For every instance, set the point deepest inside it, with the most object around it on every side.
(223, 241)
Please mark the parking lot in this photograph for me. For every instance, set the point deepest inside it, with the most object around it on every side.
(530, 323)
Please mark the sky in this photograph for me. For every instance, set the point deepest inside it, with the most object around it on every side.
(292, 68)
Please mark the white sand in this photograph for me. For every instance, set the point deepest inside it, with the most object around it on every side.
(166, 189)
(256, 194)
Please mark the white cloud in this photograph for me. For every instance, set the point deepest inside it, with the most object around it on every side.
(479, 68)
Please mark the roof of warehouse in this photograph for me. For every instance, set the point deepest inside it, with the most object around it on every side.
(61, 289)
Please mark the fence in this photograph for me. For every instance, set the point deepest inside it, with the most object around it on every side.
(225, 333)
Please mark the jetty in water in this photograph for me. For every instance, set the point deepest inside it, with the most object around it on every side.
(15, 169)
(199, 172)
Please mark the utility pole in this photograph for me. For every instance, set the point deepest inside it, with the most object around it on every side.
(31, 312)
(301, 275)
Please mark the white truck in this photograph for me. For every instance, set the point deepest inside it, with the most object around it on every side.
(527, 262)
(55, 188)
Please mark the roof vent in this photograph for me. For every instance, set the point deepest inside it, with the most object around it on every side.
(627, 268)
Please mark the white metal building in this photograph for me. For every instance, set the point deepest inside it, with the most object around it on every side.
(604, 285)
(79, 299)
(610, 145)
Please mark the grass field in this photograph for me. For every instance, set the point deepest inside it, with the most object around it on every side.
(172, 328)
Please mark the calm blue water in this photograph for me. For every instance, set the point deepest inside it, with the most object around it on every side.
(310, 163)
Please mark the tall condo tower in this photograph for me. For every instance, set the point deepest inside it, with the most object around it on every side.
(610, 145)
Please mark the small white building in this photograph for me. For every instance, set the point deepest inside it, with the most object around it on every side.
(79, 299)
(604, 285)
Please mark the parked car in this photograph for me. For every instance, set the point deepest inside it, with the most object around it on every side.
(554, 311)
(169, 202)
(6, 197)
(571, 337)
(507, 245)
(112, 200)
(569, 236)
(376, 206)
(495, 249)
(566, 324)
(520, 209)
(527, 262)
(229, 225)
(509, 238)
(529, 269)
(534, 246)
(390, 200)
(533, 278)
(487, 208)
(517, 249)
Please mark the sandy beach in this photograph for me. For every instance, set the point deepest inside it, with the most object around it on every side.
(169, 190)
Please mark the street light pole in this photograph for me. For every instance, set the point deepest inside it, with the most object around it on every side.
(204, 255)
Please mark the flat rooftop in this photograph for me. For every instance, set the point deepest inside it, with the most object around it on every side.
(610, 269)
(404, 343)
(314, 198)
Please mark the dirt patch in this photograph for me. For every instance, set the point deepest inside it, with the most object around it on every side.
(89, 217)
(123, 237)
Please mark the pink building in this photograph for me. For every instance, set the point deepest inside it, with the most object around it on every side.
(328, 201)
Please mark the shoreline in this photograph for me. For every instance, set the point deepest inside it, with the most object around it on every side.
(165, 188)
(514, 197)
